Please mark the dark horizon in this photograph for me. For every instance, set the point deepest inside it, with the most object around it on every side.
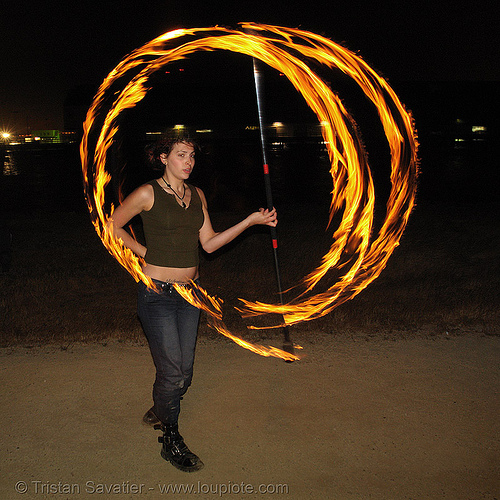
(52, 47)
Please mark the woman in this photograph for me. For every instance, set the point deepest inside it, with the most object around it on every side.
(175, 219)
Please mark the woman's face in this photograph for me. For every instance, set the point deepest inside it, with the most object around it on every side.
(180, 161)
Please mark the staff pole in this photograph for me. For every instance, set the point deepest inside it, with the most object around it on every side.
(287, 342)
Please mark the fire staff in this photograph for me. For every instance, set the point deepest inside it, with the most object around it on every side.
(175, 220)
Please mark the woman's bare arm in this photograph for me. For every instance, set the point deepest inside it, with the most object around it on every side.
(212, 241)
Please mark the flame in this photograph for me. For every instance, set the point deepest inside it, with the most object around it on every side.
(197, 296)
(361, 256)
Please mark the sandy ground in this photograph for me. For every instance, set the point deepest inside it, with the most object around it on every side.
(405, 419)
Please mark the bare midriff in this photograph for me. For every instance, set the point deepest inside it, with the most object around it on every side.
(171, 274)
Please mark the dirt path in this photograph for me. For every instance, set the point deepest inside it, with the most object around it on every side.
(407, 419)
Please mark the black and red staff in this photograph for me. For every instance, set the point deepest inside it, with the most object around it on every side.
(287, 343)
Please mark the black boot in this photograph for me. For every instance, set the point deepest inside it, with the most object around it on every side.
(175, 450)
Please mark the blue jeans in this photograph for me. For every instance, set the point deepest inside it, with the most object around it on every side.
(171, 327)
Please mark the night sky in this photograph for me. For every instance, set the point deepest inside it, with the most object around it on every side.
(50, 47)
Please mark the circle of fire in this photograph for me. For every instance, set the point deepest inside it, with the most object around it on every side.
(284, 49)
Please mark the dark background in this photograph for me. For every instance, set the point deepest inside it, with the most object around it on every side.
(439, 58)
(49, 48)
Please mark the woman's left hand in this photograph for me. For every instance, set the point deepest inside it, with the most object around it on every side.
(265, 217)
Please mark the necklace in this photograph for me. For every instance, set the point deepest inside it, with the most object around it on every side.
(181, 198)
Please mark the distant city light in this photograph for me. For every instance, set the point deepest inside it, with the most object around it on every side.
(5, 135)
(277, 124)
(479, 129)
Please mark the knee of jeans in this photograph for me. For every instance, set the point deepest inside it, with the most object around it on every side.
(170, 383)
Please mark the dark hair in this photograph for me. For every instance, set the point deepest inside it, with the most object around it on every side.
(165, 146)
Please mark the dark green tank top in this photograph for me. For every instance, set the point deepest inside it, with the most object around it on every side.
(171, 231)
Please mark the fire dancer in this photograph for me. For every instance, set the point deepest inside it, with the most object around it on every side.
(175, 220)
